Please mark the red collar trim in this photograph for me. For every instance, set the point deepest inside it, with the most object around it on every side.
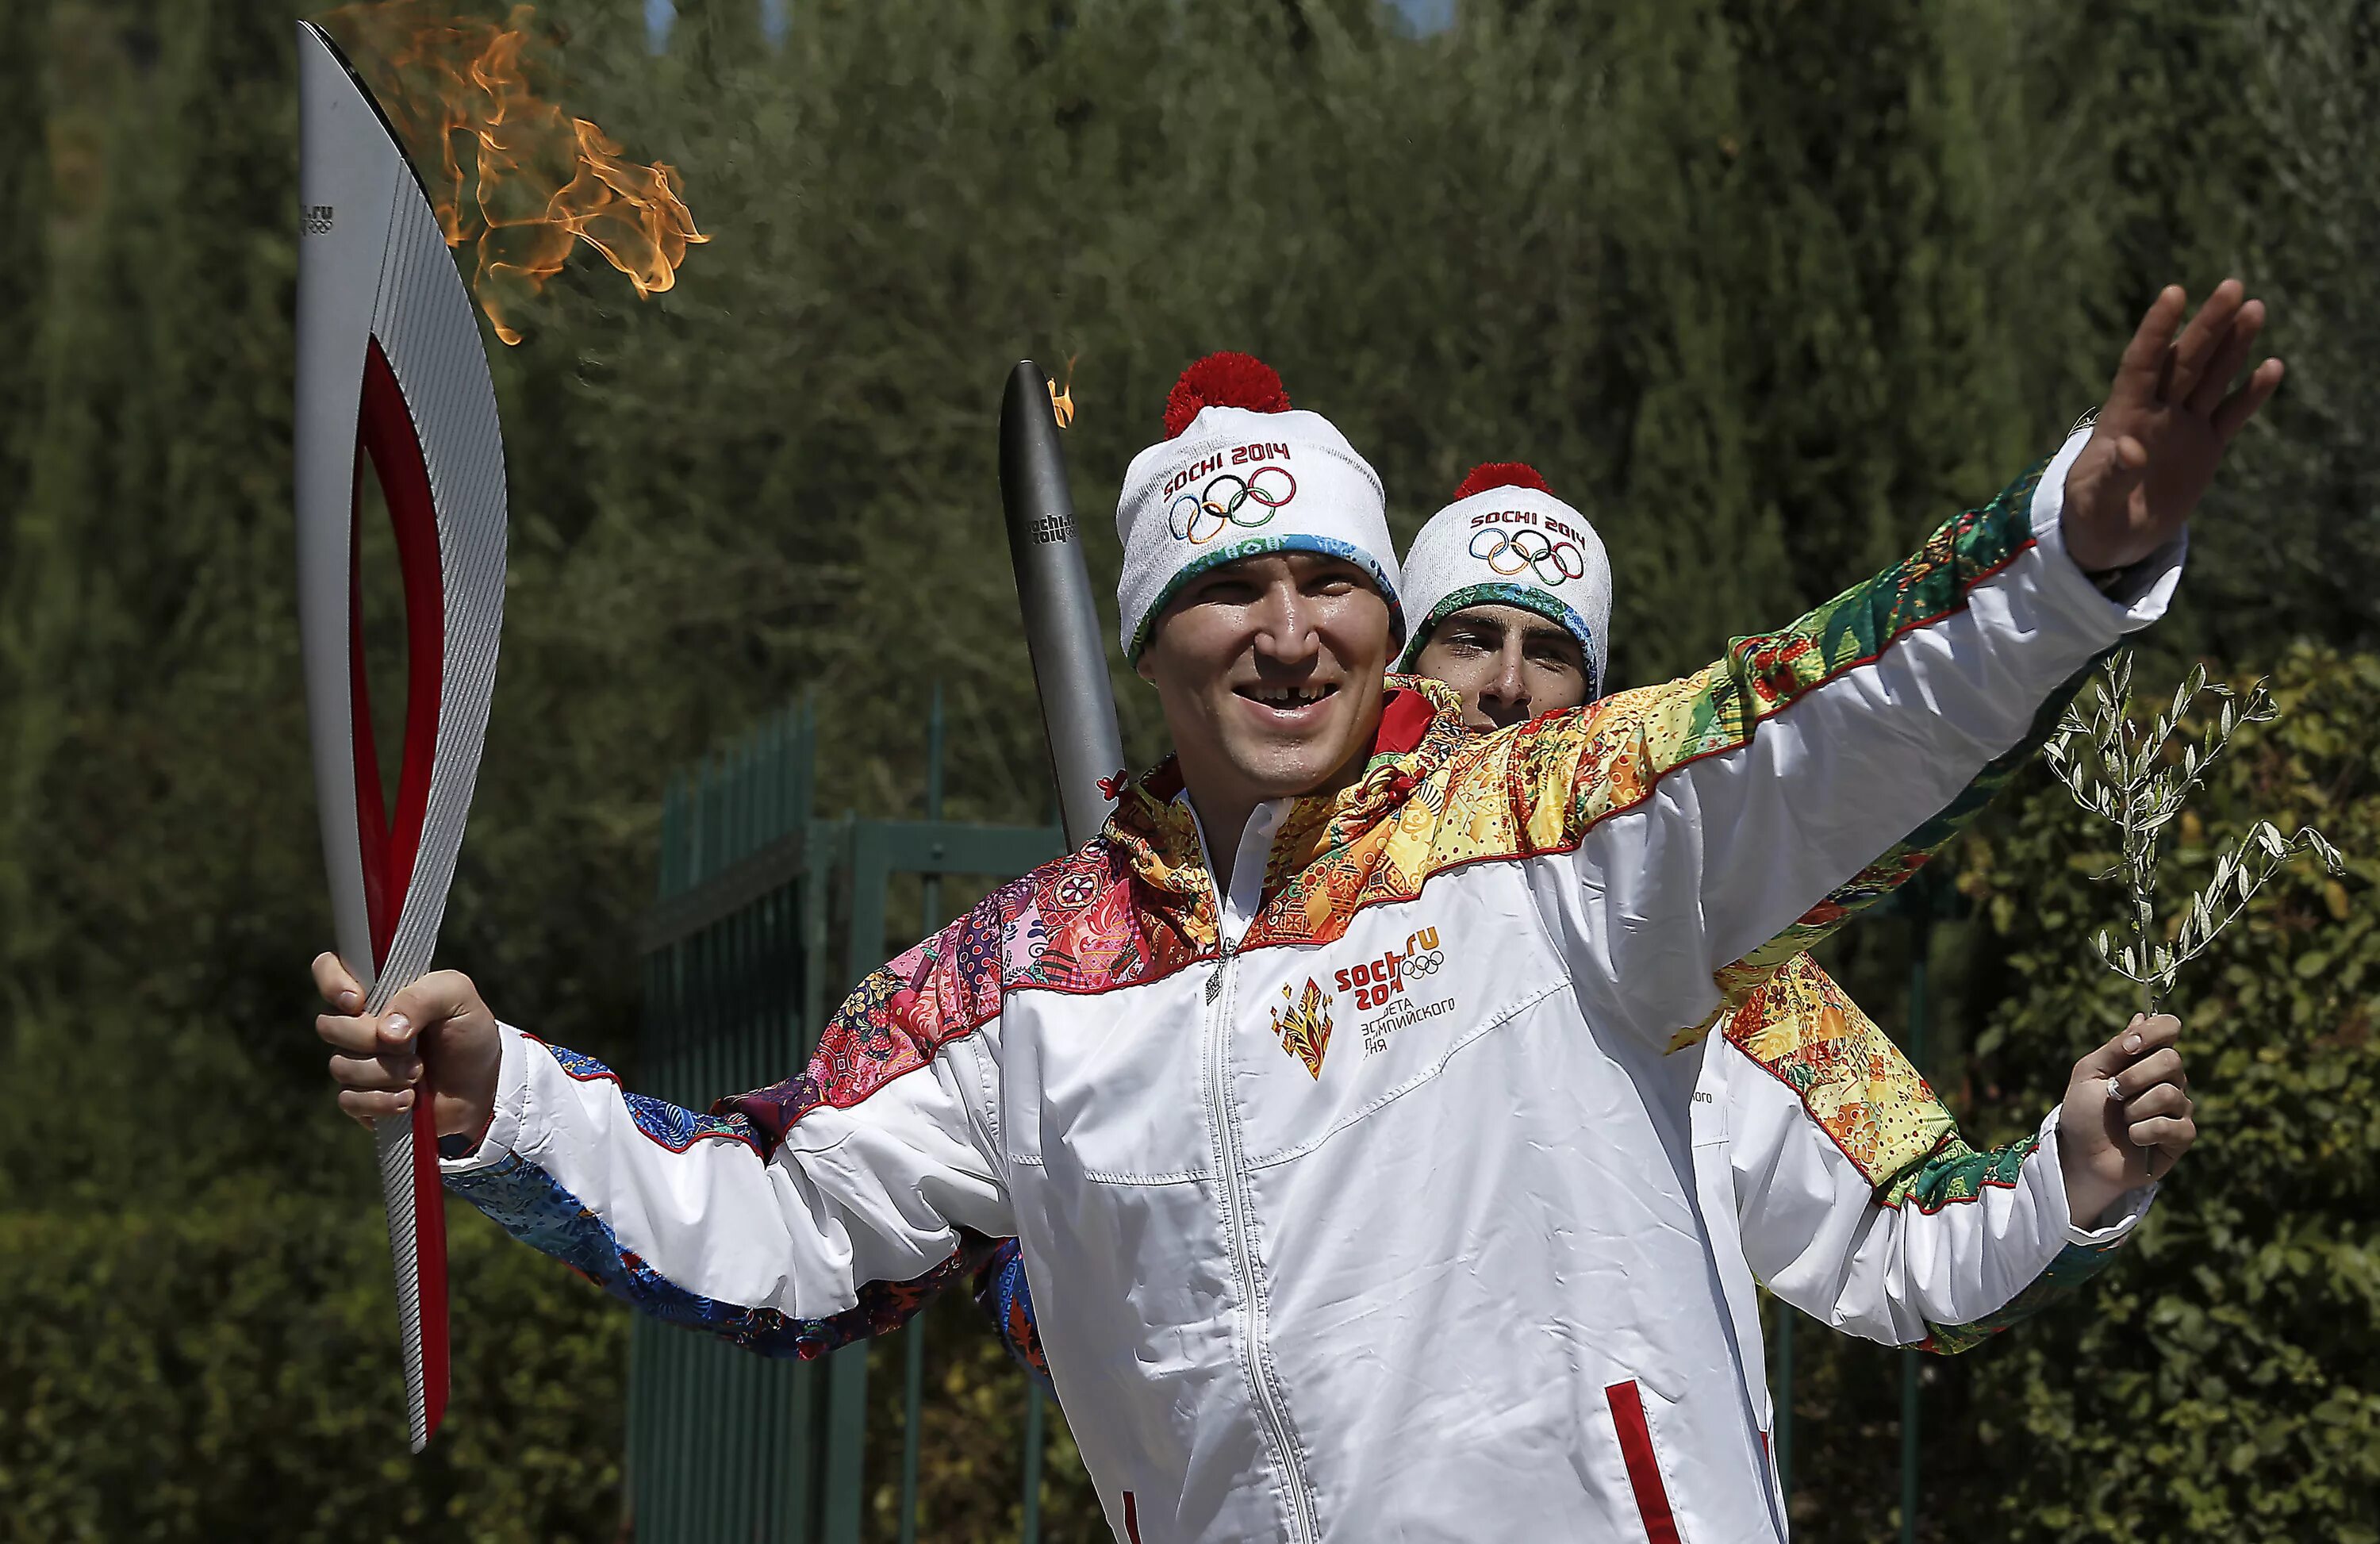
(1164, 781)
(1405, 718)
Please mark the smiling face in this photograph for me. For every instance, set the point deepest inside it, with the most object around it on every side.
(1509, 663)
(1270, 671)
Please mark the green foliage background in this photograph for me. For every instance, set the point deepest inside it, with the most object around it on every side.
(2227, 1372)
(1763, 289)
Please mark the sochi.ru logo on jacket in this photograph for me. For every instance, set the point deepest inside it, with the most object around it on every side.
(1383, 988)
(1302, 1022)
(1375, 981)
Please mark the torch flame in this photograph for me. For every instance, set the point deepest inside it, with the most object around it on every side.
(541, 180)
(1062, 398)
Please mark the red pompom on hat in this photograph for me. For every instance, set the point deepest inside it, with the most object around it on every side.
(1223, 380)
(1500, 474)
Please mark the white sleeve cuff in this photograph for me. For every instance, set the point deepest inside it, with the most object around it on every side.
(2120, 1219)
(2126, 1214)
(512, 1108)
(2145, 589)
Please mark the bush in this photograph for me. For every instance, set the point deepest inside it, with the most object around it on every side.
(230, 1371)
(2219, 1381)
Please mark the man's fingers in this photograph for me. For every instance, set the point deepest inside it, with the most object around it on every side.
(2170, 1135)
(2143, 362)
(435, 997)
(2215, 380)
(336, 983)
(387, 1074)
(2105, 1060)
(2197, 347)
(2152, 1071)
(358, 1035)
(369, 1107)
(2242, 403)
(2146, 1033)
(2164, 1099)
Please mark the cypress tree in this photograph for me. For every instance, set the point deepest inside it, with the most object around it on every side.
(24, 215)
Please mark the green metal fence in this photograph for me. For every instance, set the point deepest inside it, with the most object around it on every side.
(726, 1447)
(1923, 902)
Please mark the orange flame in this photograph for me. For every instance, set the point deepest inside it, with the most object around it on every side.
(1062, 398)
(459, 87)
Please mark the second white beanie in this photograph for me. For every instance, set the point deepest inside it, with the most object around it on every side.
(1507, 540)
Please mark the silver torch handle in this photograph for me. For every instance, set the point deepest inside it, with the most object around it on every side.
(1062, 631)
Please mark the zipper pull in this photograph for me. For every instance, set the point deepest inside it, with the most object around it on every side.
(1223, 958)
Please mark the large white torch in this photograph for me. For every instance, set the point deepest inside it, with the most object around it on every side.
(391, 370)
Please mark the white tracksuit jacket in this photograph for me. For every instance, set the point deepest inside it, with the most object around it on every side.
(1361, 1202)
(1830, 1173)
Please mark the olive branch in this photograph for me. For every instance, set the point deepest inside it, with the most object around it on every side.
(2125, 774)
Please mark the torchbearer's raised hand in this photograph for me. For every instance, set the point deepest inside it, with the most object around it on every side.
(2127, 1116)
(438, 1031)
(2170, 416)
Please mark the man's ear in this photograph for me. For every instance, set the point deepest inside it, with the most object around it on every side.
(1140, 667)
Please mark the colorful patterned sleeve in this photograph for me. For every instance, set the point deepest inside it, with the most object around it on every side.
(1720, 823)
(1858, 1201)
(793, 1219)
(1006, 1298)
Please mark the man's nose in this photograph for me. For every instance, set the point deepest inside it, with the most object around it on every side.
(1510, 684)
(1284, 625)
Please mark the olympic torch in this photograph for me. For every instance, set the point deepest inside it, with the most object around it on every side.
(1061, 621)
(390, 370)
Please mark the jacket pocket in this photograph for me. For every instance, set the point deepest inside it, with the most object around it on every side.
(1644, 1465)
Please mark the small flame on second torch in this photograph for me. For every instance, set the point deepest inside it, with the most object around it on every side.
(1062, 398)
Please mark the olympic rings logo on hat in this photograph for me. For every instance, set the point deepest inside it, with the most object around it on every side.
(1183, 518)
(1515, 548)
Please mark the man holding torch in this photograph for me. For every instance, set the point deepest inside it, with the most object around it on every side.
(1296, 1286)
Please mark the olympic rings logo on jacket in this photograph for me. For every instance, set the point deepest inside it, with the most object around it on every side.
(1514, 547)
(1188, 511)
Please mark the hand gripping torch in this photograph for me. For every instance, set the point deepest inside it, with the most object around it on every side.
(391, 370)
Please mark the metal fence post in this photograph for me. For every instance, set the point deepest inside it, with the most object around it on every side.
(1030, 1533)
(913, 1382)
(846, 1429)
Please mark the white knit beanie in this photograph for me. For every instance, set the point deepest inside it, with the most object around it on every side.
(1507, 540)
(1241, 473)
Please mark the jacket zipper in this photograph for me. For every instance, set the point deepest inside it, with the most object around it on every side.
(1237, 1205)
